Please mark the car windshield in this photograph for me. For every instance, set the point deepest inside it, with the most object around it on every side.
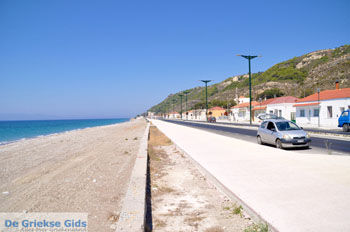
(287, 126)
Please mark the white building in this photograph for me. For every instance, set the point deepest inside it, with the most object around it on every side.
(241, 100)
(241, 112)
(174, 115)
(282, 107)
(198, 114)
(323, 108)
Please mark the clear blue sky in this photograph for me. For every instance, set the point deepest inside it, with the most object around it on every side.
(88, 59)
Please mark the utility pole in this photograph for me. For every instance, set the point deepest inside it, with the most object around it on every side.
(248, 57)
(186, 92)
(181, 95)
(206, 98)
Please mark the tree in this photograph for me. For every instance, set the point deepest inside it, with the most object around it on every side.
(270, 93)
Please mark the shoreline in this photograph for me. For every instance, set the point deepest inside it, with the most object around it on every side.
(3, 143)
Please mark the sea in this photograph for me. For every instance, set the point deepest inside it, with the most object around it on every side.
(11, 131)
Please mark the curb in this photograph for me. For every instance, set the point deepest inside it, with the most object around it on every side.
(221, 187)
(132, 215)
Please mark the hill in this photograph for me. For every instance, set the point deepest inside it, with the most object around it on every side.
(299, 77)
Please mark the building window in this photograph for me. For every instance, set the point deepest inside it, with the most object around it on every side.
(342, 109)
(329, 112)
(280, 113)
(316, 112)
(302, 113)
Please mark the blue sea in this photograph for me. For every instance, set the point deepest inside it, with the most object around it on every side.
(15, 130)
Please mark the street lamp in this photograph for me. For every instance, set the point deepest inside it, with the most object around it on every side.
(186, 92)
(318, 93)
(250, 86)
(181, 95)
(206, 98)
(173, 105)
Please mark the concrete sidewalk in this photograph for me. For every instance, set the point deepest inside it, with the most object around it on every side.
(291, 191)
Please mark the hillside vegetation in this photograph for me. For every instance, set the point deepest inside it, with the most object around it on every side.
(299, 77)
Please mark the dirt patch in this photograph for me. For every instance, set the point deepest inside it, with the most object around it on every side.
(182, 198)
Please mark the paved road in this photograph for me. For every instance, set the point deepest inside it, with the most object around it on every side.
(293, 192)
(328, 131)
(318, 145)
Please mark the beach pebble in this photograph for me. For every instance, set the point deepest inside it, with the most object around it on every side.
(5, 193)
(94, 180)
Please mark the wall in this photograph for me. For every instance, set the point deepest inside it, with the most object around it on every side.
(285, 108)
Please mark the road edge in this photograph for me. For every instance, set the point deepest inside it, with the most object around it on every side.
(132, 215)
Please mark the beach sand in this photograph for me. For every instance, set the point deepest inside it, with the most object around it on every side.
(84, 170)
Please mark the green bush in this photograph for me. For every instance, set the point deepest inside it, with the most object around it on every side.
(270, 93)
(257, 228)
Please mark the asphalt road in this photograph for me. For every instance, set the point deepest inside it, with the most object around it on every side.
(318, 145)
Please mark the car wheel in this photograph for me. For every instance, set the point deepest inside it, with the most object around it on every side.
(278, 144)
(259, 140)
(345, 127)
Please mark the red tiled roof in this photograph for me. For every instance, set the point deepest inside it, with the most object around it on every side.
(286, 99)
(174, 112)
(245, 104)
(259, 108)
(307, 104)
(217, 108)
(328, 94)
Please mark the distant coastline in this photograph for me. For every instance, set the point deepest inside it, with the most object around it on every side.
(16, 130)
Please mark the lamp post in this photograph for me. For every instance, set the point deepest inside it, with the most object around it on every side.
(181, 95)
(318, 93)
(248, 57)
(206, 98)
(173, 106)
(186, 92)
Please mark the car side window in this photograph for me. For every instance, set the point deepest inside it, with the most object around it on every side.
(263, 125)
(270, 126)
(345, 114)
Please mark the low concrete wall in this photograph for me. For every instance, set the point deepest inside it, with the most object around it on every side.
(132, 216)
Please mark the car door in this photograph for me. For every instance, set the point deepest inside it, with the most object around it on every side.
(270, 134)
(343, 117)
(263, 132)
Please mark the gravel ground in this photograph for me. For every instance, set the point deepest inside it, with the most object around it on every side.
(182, 198)
(77, 171)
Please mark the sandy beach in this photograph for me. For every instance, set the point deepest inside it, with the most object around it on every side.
(77, 171)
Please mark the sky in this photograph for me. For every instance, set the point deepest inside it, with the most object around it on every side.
(107, 59)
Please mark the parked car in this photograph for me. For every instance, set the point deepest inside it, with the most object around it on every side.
(344, 120)
(211, 119)
(264, 116)
(282, 133)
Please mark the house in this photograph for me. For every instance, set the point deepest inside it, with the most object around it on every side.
(323, 108)
(282, 107)
(241, 99)
(260, 108)
(195, 115)
(150, 114)
(174, 115)
(216, 111)
(241, 112)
